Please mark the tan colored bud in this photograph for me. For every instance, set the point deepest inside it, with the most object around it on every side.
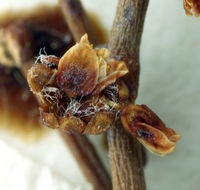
(143, 123)
(71, 88)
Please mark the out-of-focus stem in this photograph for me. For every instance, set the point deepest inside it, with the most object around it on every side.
(77, 20)
(88, 160)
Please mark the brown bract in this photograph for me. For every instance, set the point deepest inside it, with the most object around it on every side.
(110, 71)
(71, 89)
(40, 76)
(78, 69)
(100, 122)
(192, 6)
(122, 91)
(143, 123)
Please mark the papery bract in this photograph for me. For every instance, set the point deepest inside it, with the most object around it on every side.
(143, 123)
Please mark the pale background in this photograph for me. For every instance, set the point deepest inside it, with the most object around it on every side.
(169, 84)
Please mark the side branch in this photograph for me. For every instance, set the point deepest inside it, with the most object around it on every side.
(88, 160)
(77, 20)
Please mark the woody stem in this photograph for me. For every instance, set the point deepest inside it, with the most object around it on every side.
(124, 150)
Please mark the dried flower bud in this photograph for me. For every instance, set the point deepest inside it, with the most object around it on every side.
(78, 69)
(71, 89)
(192, 6)
(141, 122)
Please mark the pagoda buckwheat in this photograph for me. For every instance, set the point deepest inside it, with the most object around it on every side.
(83, 92)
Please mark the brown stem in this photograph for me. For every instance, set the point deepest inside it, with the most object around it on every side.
(124, 150)
(88, 160)
(77, 20)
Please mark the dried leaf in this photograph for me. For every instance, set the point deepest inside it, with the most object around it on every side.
(141, 122)
(78, 69)
(192, 6)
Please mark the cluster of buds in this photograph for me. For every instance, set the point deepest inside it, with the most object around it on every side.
(192, 6)
(83, 92)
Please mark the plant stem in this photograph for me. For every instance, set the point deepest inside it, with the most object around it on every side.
(77, 20)
(124, 150)
(88, 160)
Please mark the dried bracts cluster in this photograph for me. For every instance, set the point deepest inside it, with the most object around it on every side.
(83, 92)
(79, 92)
(192, 7)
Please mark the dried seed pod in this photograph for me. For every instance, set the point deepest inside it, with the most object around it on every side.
(141, 122)
(78, 69)
(192, 6)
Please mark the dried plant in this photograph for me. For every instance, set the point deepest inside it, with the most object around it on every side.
(82, 92)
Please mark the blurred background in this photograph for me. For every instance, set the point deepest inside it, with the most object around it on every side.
(169, 85)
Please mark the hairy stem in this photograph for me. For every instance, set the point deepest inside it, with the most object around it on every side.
(124, 150)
